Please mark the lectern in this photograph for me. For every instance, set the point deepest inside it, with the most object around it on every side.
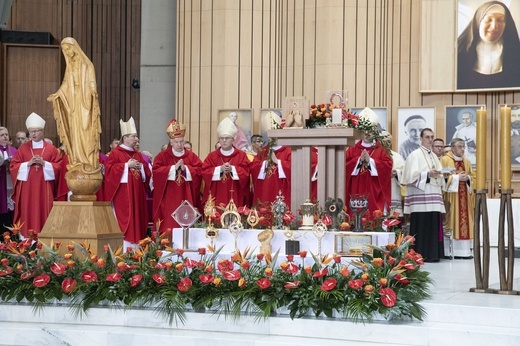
(331, 144)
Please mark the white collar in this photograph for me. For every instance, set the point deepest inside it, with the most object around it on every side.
(178, 154)
(227, 152)
(37, 145)
(127, 147)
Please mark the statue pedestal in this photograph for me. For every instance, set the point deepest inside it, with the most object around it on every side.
(331, 144)
(89, 221)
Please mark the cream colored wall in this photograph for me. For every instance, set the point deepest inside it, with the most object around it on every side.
(252, 54)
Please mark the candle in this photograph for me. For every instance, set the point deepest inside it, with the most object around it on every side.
(505, 153)
(481, 148)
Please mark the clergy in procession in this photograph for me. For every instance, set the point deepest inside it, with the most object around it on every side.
(34, 170)
(369, 170)
(6, 183)
(176, 177)
(127, 176)
(459, 186)
(225, 170)
(424, 182)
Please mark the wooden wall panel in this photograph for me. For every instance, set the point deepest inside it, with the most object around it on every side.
(109, 32)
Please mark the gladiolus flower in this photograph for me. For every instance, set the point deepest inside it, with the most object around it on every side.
(217, 281)
(58, 268)
(68, 285)
(41, 280)
(388, 297)
(232, 275)
(135, 280)
(159, 278)
(328, 284)
(345, 271)
(263, 283)
(89, 276)
(101, 263)
(292, 285)
(378, 262)
(302, 253)
(369, 289)
(113, 277)
(245, 264)
(206, 278)
(242, 283)
(268, 271)
(355, 284)
(184, 285)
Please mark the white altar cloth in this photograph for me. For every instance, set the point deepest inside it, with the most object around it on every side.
(248, 238)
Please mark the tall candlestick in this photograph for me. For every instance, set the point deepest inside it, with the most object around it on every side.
(481, 148)
(505, 153)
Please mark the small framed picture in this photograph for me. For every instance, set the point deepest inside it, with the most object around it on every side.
(381, 114)
(411, 121)
(461, 122)
(243, 119)
(267, 117)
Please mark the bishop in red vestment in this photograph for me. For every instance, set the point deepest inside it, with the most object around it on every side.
(127, 176)
(225, 171)
(35, 169)
(369, 172)
(176, 178)
(271, 172)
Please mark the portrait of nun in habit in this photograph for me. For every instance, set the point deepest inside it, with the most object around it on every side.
(488, 49)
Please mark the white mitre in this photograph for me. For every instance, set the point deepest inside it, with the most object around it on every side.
(34, 121)
(227, 128)
(276, 120)
(369, 115)
(128, 127)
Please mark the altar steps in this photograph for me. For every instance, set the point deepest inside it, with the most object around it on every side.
(447, 324)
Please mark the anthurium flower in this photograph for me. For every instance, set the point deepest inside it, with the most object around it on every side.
(206, 278)
(232, 275)
(263, 283)
(402, 280)
(25, 275)
(355, 284)
(321, 273)
(328, 284)
(388, 296)
(113, 277)
(89, 276)
(391, 222)
(135, 280)
(68, 285)
(189, 263)
(291, 268)
(159, 278)
(58, 268)
(225, 265)
(41, 280)
(184, 285)
(292, 285)
(6, 271)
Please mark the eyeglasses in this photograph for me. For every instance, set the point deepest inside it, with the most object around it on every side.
(34, 131)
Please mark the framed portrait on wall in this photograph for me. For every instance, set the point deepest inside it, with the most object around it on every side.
(515, 136)
(266, 120)
(243, 119)
(461, 122)
(411, 121)
(488, 45)
(381, 114)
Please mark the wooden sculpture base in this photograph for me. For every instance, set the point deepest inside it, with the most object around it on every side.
(92, 222)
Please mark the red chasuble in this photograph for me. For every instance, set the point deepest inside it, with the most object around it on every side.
(169, 194)
(226, 187)
(128, 199)
(377, 188)
(33, 198)
(267, 189)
